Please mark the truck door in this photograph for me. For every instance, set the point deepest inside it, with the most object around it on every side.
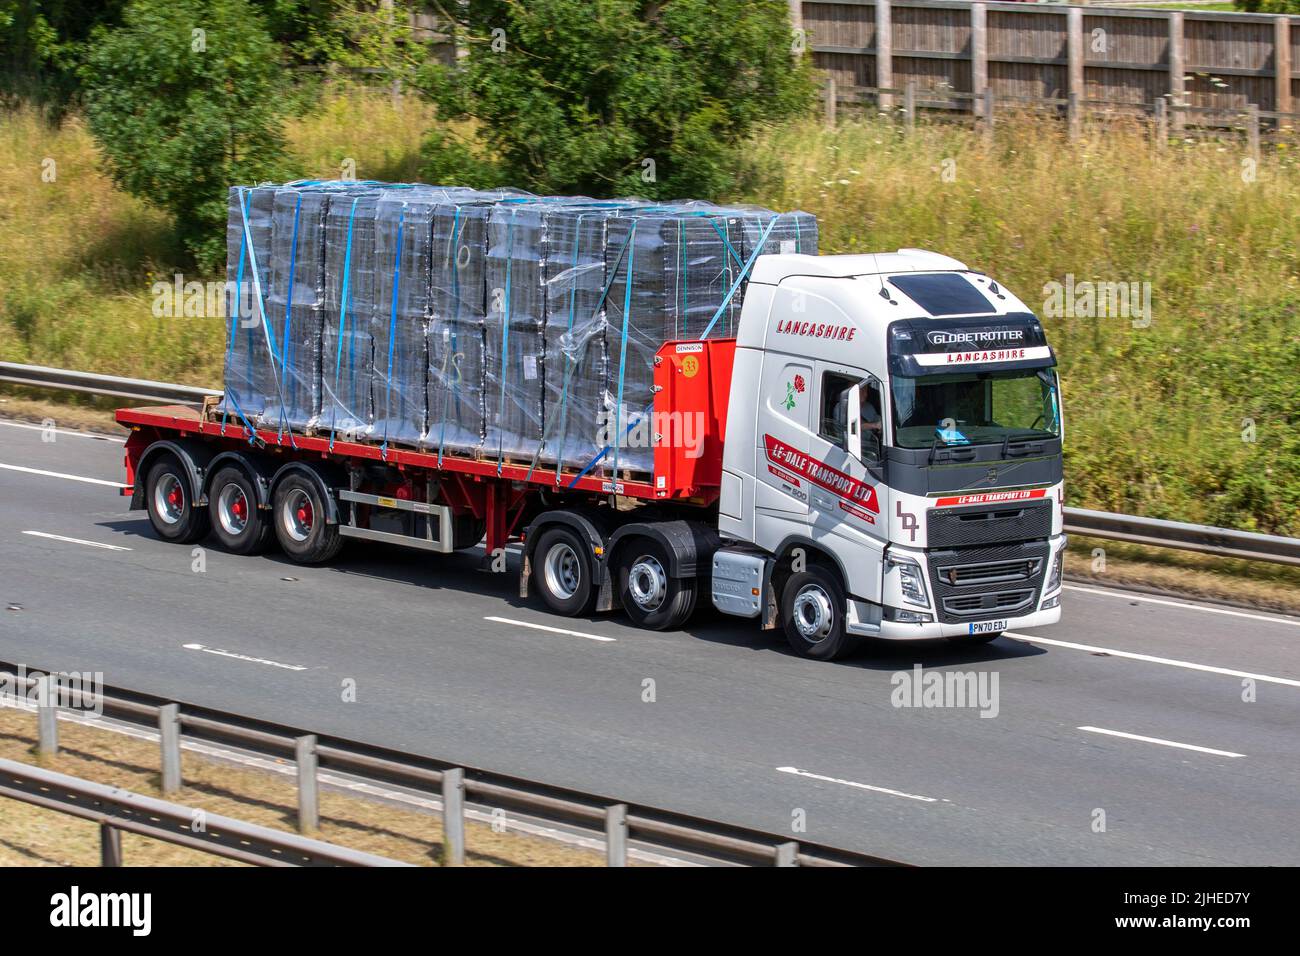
(784, 431)
(845, 504)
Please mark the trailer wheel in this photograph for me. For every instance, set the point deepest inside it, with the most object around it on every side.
(300, 524)
(232, 508)
(812, 610)
(564, 573)
(169, 501)
(651, 598)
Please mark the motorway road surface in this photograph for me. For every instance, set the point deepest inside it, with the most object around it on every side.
(1174, 768)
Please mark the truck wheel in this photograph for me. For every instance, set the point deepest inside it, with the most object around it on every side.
(300, 524)
(563, 573)
(232, 508)
(651, 598)
(812, 609)
(169, 502)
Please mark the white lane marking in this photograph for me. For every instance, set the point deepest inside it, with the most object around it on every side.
(853, 783)
(89, 544)
(553, 630)
(59, 474)
(242, 657)
(1294, 622)
(64, 431)
(1163, 743)
(1189, 665)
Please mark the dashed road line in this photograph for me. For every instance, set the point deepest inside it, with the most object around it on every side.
(89, 544)
(1163, 743)
(552, 630)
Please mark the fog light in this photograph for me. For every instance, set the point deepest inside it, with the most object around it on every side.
(904, 616)
(1050, 603)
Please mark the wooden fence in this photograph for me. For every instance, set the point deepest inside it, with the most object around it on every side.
(1196, 63)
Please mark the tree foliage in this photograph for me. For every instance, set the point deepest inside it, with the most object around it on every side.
(182, 99)
(606, 97)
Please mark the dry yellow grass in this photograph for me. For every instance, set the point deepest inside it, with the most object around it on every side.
(31, 836)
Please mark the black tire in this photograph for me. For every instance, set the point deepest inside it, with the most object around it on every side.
(816, 598)
(170, 503)
(237, 522)
(564, 573)
(975, 638)
(651, 598)
(298, 515)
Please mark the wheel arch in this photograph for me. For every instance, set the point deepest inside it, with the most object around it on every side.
(194, 458)
(324, 476)
(690, 545)
(255, 468)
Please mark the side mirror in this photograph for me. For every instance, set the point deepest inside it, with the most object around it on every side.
(853, 431)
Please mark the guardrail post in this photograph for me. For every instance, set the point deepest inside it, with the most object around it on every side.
(616, 835)
(308, 788)
(1162, 122)
(1252, 130)
(169, 738)
(47, 716)
(110, 845)
(909, 107)
(830, 102)
(453, 817)
(787, 854)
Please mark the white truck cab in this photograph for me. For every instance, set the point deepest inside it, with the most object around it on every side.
(892, 463)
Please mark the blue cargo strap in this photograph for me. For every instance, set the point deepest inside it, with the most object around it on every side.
(622, 351)
(343, 320)
(599, 303)
(454, 338)
(392, 328)
(505, 341)
(604, 451)
(261, 300)
(286, 351)
(753, 257)
(234, 317)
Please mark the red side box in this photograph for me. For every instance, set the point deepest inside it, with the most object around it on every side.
(692, 388)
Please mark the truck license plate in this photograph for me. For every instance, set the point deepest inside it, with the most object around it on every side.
(987, 627)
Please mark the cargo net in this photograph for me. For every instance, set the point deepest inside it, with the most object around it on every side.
(495, 325)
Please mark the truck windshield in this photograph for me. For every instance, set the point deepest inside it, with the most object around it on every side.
(975, 408)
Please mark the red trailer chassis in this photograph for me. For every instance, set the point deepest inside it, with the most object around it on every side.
(692, 388)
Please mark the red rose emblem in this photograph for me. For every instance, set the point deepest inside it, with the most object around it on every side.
(798, 383)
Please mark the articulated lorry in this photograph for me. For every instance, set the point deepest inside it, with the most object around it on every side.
(875, 453)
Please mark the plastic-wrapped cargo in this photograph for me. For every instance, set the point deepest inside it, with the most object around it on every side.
(248, 272)
(670, 273)
(575, 333)
(294, 299)
(455, 341)
(514, 362)
(403, 258)
(492, 324)
(347, 338)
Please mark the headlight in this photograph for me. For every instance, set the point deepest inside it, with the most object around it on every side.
(1054, 579)
(910, 581)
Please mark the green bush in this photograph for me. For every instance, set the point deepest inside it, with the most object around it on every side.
(607, 97)
(183, 100)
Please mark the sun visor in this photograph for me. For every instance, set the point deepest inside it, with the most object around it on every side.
(985, 343)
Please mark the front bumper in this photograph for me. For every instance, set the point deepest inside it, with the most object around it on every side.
(899, 631)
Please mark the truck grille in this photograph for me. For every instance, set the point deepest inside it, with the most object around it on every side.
(987, 582)
(988, 524)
